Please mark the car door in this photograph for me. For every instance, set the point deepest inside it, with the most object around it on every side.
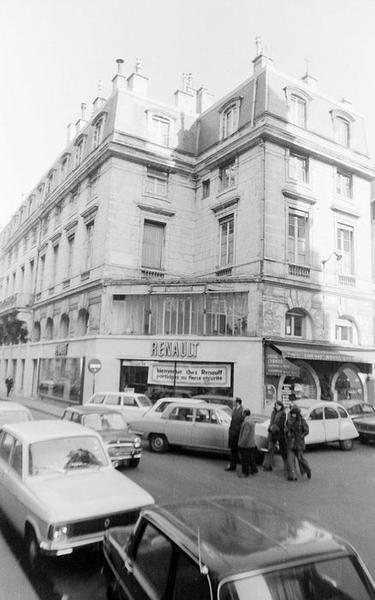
(332, 423)
(14, 483)
(315, 421)
(6, 445)
(178, 426)
(207, 431)
(129, 408)
(141, 575)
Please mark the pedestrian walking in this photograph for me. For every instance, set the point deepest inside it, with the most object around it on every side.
(296, 430)
(9, 384)
(247, 446)
(234, 432)
(276, 436)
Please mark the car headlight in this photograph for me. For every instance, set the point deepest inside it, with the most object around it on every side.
(58, 532)
(137, 442)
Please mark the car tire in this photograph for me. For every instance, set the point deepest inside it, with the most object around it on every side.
(346, 444)
(363, 438)
(32, 550)
(134, 462)
(158, 443)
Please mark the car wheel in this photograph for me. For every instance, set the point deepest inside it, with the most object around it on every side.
(32, 550)
(134, 462)
(363, 438)
(158, 443)
(346, 444)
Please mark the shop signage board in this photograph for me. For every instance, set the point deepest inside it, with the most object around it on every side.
(94, 365)
(176, 349)
(276, 364)
(190, 374)
(61, 349)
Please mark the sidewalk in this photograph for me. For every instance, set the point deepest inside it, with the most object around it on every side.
(52, 408)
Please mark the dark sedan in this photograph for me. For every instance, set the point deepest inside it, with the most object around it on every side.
(363, 417)
(123, 445)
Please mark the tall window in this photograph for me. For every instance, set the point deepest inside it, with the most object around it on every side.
(55, 263)
(42, 268)
(299, 168)
(78, 153)
(31, 276)
(153, 245)
(156, 182)
(98, 132)
(64, 168)
(345, 247)
(226, 241)
(89, 245)
(294, 322)
(344, 184)
(69, 263)
(298, 110)
(297, 237)
(160, 130)
(342, 131)
(205, 188)
(344, 331)
(227, 175)
(230, 120)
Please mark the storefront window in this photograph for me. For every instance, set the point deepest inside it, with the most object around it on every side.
(296, 388)
(60, 379)
(348, 385)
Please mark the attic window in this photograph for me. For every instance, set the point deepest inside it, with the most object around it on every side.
(229, 117)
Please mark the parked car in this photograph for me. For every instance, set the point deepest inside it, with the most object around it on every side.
(230, 548)
(124, 447)
(363, 417)
(132, 405)
(59, 489)
(212, 399)
(13, 412)
(328, 422)
(160, 405)
(202, 426)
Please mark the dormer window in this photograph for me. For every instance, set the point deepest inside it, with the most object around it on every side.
(98, 125)
(64, 167)
(50, 181)
(297, 101)
(342, 131)
(160, 130)
(229, 118)
(79, 149)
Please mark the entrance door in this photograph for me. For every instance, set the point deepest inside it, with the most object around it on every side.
(332, 423)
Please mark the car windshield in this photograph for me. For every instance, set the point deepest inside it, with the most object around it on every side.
(104, 421)
(14, 416)
(59, 455)
(336, 579)
(144, 401)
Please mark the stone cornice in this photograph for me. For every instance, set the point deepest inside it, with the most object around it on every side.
(165, 212)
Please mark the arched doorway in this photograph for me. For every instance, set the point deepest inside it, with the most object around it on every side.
(305, 386)
(347, 384)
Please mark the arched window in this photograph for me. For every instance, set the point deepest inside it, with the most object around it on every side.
(83, 322)
(295, 323)
(49, 329)
(346, 332)
(229, 117)
(64, 326)
(343, 131)
(36, 332)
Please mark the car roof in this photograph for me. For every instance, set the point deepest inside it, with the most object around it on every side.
(117, 394)
(5, 405)
(308, 403)
(240, 534)
(196, 405)
(351, 402)
(46, 429)
(86, 409)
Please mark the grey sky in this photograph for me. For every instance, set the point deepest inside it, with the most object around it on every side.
(53, 52)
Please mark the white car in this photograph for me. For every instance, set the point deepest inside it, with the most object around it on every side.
(328, 422)
(131, 404)
(59, 489)
(160, 405)
(13, 412)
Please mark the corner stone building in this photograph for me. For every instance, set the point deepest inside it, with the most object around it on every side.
(198, 247)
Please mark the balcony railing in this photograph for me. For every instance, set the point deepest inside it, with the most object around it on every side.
(299, 271)
(16, 301)
(347, 280)
(152, 273)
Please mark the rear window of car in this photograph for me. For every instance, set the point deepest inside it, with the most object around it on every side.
(338, 578)
(143, 401)
(98, 399)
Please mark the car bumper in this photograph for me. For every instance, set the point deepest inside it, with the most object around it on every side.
(53, 548)
(123, 457)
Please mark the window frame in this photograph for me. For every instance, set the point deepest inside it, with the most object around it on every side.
(344, 184)
(343, 265)
(296, 102)
(206, 188)
(162, 226)
(298, 214)
(294, 315)
(228, 173)
(299, 168)
(227, 221)
(156, 183)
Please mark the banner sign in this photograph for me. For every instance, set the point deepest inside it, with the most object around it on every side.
(278, 365)
(189, 374)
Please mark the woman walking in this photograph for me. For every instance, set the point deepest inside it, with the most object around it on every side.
(276, 436)
(296, 430)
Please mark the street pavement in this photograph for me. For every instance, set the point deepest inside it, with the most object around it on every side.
(49, 408)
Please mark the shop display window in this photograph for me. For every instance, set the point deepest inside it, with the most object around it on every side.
(60, 379)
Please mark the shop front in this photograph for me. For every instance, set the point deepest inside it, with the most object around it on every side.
(316, 371)
(61, 376)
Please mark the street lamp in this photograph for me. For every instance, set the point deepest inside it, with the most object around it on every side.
(334, 253)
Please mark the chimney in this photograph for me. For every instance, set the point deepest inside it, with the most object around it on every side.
(138, 83)
(82, 121)
(309, 80)
(346, 101)
(204, 99)
(99, 100)
(70, 131)
(119, 80)
(185, 99)
(260, 61)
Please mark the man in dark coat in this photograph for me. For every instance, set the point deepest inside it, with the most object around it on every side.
(247, 446)
(234, 432)
(296, 430)
(276, 436)
(9, 384)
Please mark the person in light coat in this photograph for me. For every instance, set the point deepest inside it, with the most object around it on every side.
(247, 446)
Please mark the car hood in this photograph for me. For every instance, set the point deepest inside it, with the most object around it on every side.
(365, 418)
(75, 496)
(113, 435)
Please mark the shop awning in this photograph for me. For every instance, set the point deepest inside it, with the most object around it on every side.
(364, 359)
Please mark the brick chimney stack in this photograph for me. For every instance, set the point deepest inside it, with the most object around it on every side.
(119, 80)
(138, 83)
(204, 99)
(99, 100)
(185, 99)
(260, 61)
(82, 121)
(70, 132)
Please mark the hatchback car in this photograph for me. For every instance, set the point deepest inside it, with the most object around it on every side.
(59, 489)
(203, 427)
(230, 548)
(124, 447)
(131, 404)
(363, 417)
(328, 422)
(13, 412)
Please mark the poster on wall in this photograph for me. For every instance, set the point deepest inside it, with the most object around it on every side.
(189, 374)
